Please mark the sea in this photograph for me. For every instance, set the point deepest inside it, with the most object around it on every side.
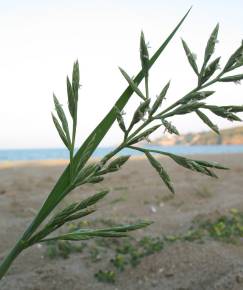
(61, 153)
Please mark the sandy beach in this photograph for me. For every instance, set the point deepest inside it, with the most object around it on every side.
(136, 192)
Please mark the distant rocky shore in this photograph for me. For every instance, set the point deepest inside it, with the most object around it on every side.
(227, 136)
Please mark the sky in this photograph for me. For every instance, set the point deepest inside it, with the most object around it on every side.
(40, 40)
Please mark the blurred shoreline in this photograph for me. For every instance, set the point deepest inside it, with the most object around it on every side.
(64, 162)
(62, 153)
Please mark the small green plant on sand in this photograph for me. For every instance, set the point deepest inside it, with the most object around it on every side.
(227, 228)
(147, 118)
(116, 256)
(63, 249)
(106, 276)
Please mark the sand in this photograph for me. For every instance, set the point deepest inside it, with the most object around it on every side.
(136, 192)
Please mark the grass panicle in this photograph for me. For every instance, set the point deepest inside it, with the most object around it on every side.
(144, 122)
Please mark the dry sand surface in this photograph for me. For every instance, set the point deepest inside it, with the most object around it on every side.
(135, 192)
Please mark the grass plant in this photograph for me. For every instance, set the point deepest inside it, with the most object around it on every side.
(147, 118)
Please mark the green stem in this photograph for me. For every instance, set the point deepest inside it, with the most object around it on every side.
(23, 243)
(150, 150)
(146, 87)
(102, 162)
(112, 153)
(201, 73)
(73, 145)
(20, 246)
(148, 121)
(177, 102)
(8, 260)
